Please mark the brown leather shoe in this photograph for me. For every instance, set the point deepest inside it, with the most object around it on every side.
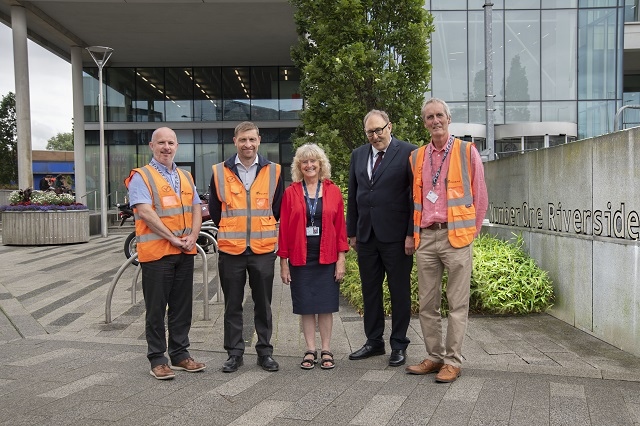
(188, 365)
(162, 372)
(425, 367)
(448, 374)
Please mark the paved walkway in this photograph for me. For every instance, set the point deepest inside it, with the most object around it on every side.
(62, 364)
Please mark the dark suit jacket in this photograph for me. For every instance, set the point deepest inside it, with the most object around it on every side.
(385, 204)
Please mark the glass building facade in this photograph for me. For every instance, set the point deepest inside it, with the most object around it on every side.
(557, 77)
(554, 61)
(202, 104)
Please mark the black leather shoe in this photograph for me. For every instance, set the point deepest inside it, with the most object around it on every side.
(398, 357)
(365, 352)
(231, 365)
(268, 363)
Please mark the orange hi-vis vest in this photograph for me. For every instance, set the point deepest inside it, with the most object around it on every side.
(175, 211)
(461, 213)
(247, 216)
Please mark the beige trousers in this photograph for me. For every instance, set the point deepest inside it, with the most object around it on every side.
(434, 254)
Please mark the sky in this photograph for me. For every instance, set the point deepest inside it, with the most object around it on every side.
(49, 86)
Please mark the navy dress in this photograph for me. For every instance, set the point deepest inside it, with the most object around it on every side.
(314, 289)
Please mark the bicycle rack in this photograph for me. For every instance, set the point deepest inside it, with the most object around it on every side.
(134, 257)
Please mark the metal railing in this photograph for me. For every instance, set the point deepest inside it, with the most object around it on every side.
(205, 277)
(616, 120)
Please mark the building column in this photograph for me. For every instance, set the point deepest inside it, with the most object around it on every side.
(79, 162)
(23, 106)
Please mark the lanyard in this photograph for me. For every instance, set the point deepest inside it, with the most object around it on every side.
(434, 180)
(312, 207)
(172, 178)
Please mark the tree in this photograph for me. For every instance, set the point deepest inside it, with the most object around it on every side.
(61, 142)
(517, 89)
(356, 55)
(8, 140)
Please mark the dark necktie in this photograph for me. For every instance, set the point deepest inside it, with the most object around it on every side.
(377, 163)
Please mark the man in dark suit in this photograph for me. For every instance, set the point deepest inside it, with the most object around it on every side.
(380, 229)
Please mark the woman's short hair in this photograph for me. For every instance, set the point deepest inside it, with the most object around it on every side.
(310, 151)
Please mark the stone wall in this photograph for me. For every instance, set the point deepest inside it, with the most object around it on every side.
(577, 207)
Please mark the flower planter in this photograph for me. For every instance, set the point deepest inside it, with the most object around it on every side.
(31, 228)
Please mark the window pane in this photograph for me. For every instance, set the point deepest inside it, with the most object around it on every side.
(290, 99)
(533, 142)
(119, 94)
(476, 56)
(522, 55)
(449, 56)
(207, 104)
(448, 4)
(506, 147)
(206, 156)
(91, 92)
(597, 54)
(477, 112)
(264, 93)
(179, 94)
(522, 111)
(459, 112)
(559, 46)
(597, 3)
(479, 4)
(122, 159)
(235, 93)
(149, 99)
(559, 4)
(595, 118)
(522, 4)
(560, 111)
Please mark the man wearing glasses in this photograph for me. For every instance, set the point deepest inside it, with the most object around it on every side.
(380, 229)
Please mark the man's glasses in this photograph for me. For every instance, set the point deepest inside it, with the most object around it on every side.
(377, 131)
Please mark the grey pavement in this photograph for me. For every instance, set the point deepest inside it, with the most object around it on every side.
(62, 364)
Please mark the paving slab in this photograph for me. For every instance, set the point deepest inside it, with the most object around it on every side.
(63, 364)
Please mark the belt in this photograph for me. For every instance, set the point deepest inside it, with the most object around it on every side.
(436, 226)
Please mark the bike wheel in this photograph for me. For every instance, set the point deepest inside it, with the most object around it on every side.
(130, 247)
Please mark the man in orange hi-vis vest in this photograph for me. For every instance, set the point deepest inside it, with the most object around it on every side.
(246, 193)
(167, 210)
(450, 201)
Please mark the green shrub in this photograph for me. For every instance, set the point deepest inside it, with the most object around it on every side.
(505, 280)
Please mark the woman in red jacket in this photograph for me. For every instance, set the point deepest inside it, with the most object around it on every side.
(312, 243)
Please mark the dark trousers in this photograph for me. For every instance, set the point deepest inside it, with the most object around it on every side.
(375, 259)
(233, 276)
(168, 281)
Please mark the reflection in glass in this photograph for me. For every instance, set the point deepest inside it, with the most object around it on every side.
(522, 55)
(264, 93)
(449, 56)
(522, 111)
(119, 92)
(236, 88)
(149, 100)
(290, 98)
(207, 105)
(566, 111)
(558, 59)
(596, 118)
(476, 57)
(91, 93)
(597, 56)
(459, 112)
(179, 94)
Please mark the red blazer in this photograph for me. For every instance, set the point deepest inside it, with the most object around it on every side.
(292, 240)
